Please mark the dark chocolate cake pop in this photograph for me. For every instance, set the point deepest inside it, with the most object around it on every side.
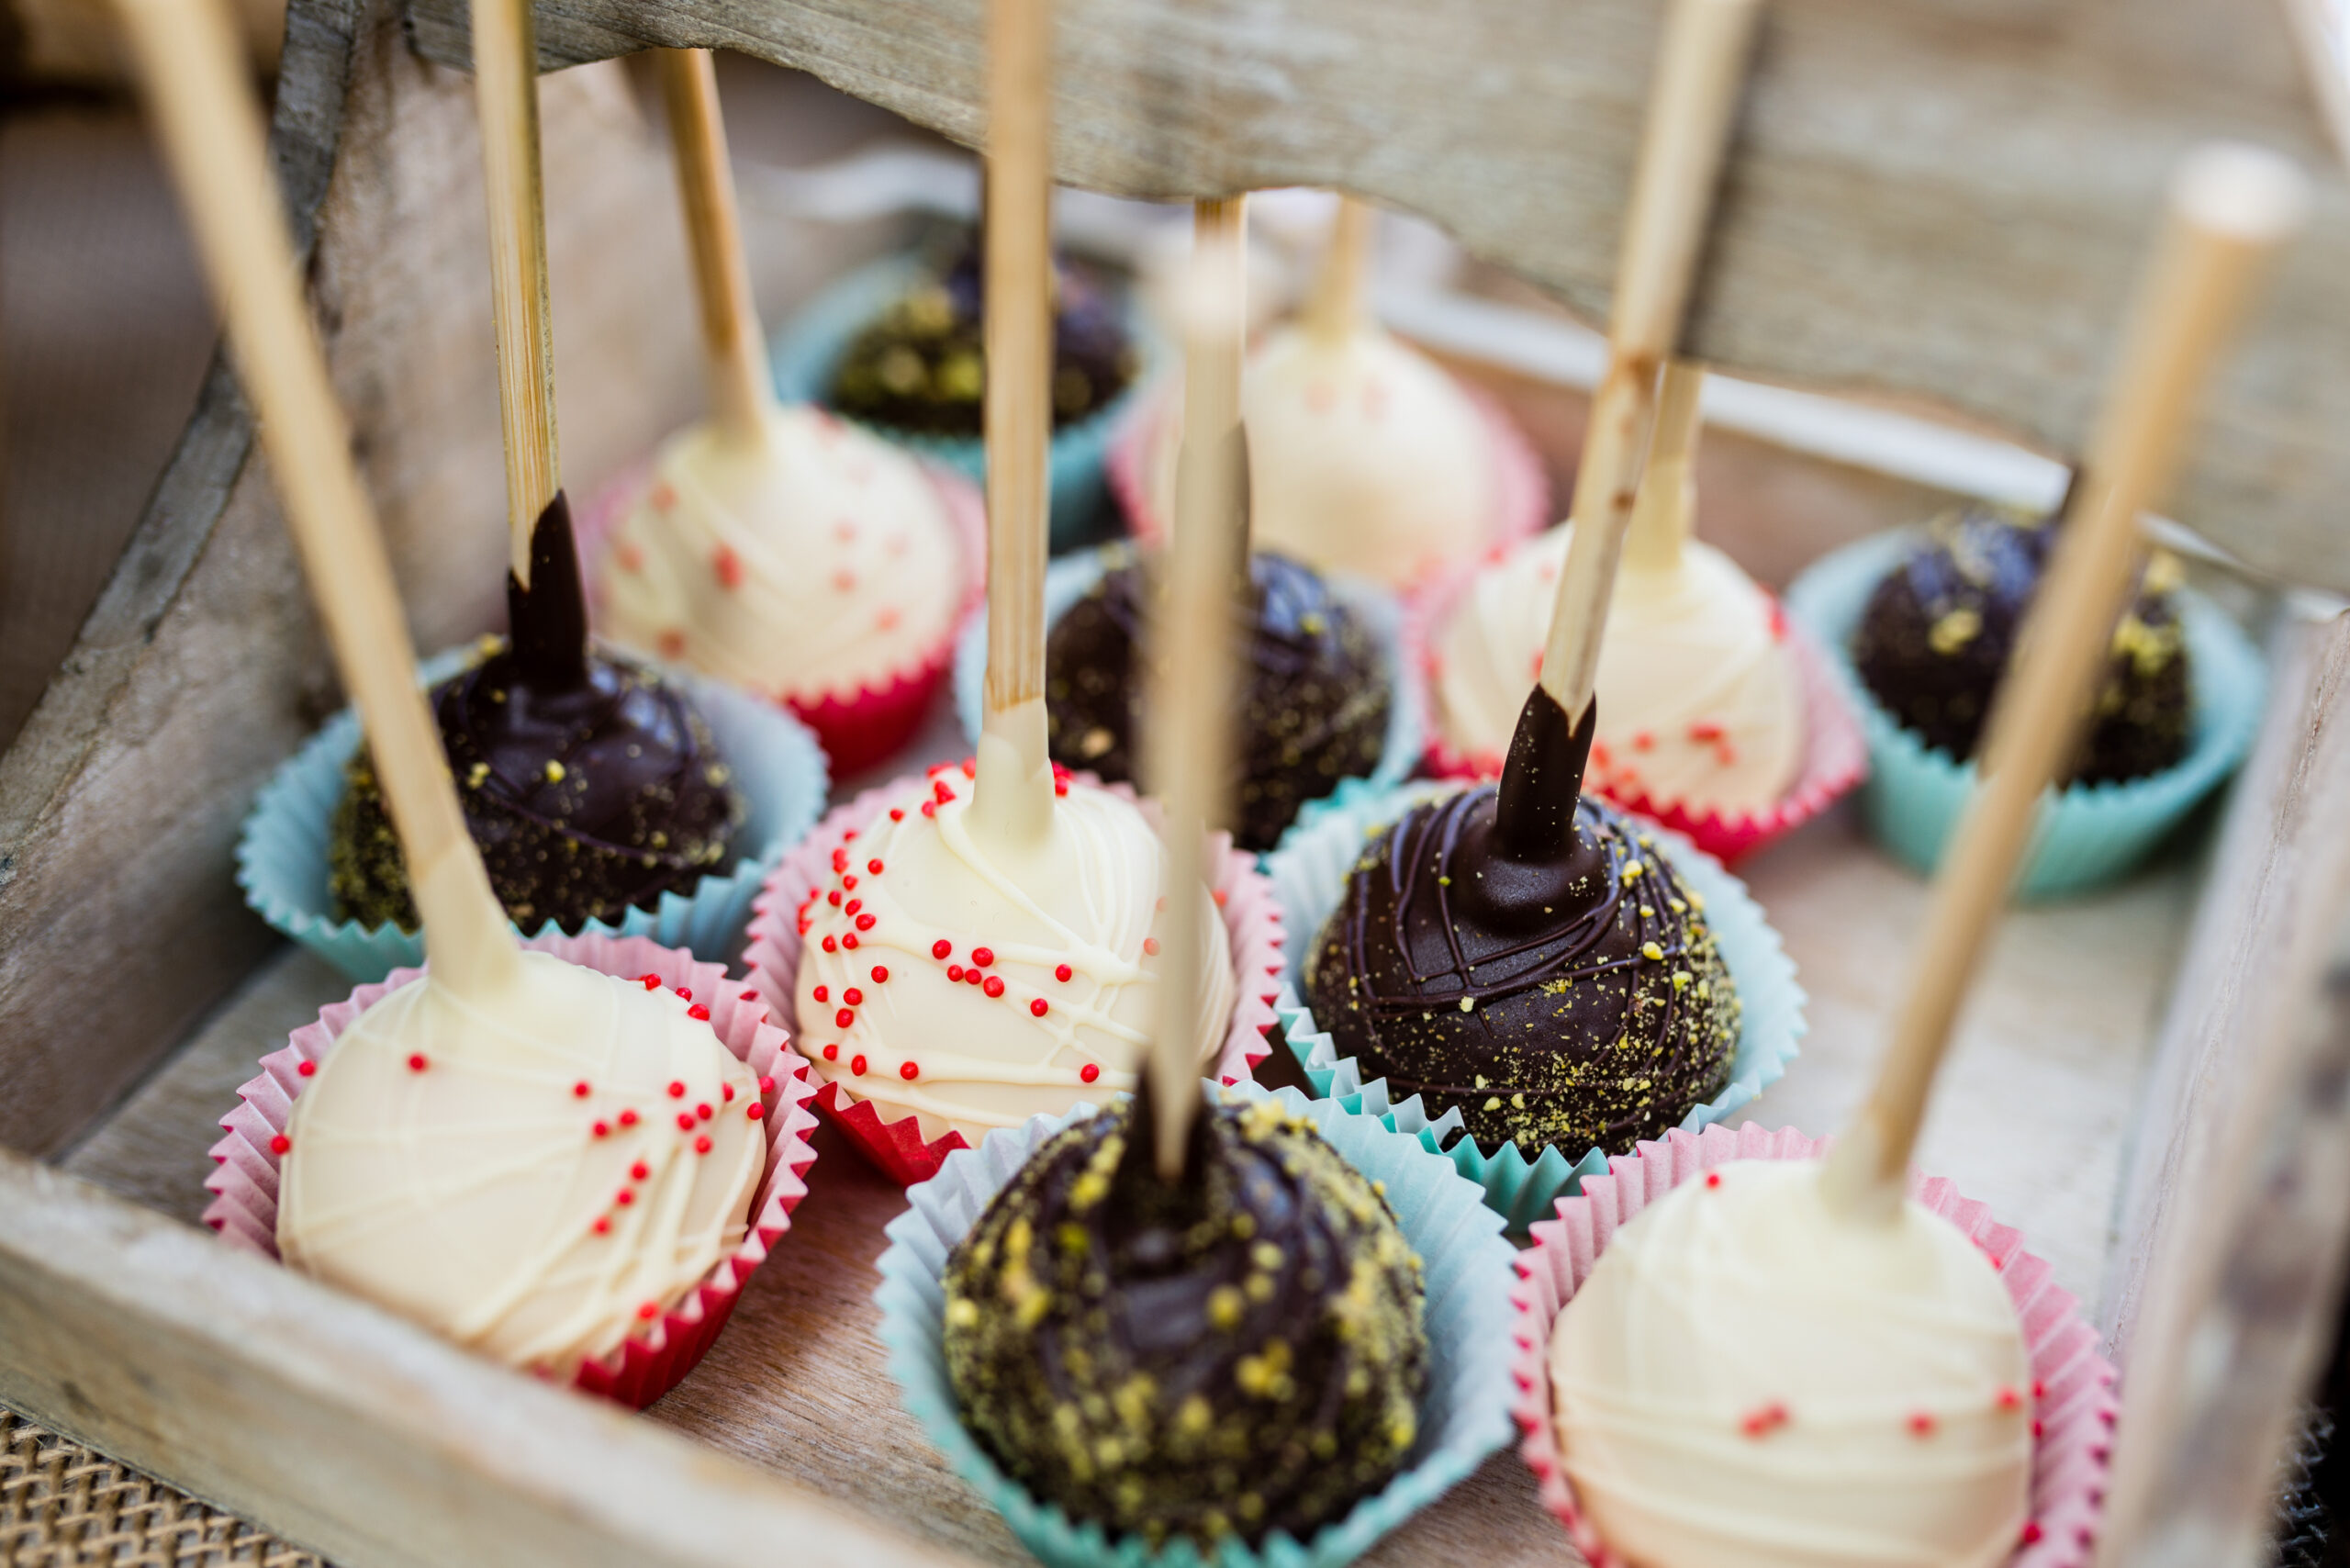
(1234, 1353)
(921, 367)
(1941, 627)
(1528, 956)
(1314, 710)
(589, 782)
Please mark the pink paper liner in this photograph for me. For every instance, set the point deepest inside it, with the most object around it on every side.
(2076, 1404)
(1521, 487)
(655, 1357)
(872, 722)
(1835, 759)
(1252, 920)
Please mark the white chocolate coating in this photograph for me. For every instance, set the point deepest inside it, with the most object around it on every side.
(465, 1192)
(1700, 698)
(1088, 904)
(825, 562)
(1749, 1380)
(1364, 457)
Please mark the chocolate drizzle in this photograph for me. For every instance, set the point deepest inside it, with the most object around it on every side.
(1234, 1354)
(1314, 701)
(589, 783)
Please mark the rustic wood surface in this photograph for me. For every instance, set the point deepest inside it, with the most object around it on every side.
(1943, 200)
(2032, 1118)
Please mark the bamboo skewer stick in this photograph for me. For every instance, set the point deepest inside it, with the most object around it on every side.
(191, 67)
(2230, 208)
(1667, 508)
(506, 89)
(1699, 66)
(1188, 742)
(1011, 799)
(742, 390)
(1341, 297)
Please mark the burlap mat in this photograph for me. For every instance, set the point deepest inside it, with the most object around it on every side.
(63, 1507)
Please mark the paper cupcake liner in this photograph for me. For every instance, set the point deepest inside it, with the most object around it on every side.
(1252, 921)
(656, 1356)
(808, 351)
(2087, 834)
(871, 722)
(1463, 1412)
(1835, 757)
(1068, 579)
(1521, 487)
(282, 854)
(2077, 1407)
(1308, 874)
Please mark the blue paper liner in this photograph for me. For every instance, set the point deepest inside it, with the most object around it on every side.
(1067, 580)
(282, 855)
(2087, 835)
(1464, 1413)
(808, 351)
(1309, 873)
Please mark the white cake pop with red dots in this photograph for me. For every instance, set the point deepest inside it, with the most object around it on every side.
(1749, 1379)
(974, 991)
(819, 563)
(532, 1174)
(1364, 457)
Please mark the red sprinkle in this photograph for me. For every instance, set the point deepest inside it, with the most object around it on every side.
(854, 997)
(685, 994)
(840, 860)
(834, 898)
(767, 1085)
(2030, 1532)
(701, 1143)
(941, 948)
(1063, 972)
(823, 994)
(685, 1121)
(874, 866)
(849, 940)
(2006, 1399)
(280, 1144)
(2036, 1428)
(628, 1118)
(639, 1172)
(416, 1062)
(625, 1198)
(1039, 1007)
(603, 1129)
(930, 808)
(649, 1311)
(1713, 1178)
(864, 923)
(703, 1111)
(857, 1066)
(897, 814)
(698, 1011)
(651, 982)
(954, 971)
(970, 768)
(983, 956)
(852, 906)
(994, 985)
(755, 1111)
(832, 1052)
(1922, 1423)
(2039, 1390)
(829, 945)
(849, 881)
(940, 793)
(580, 1090)
(1151, 943)
(844, 1018)
(677, 1090)
(603, 1226)
(1090, 1071)
(880, 975)
(910, 1071)
(307, 1069)
(726, 1093)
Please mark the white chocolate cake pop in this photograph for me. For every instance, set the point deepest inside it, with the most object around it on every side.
(973, 993)
(820, 562)
(531, 1176)
(1700, 699)
(1363, 456)
(1750, 1380)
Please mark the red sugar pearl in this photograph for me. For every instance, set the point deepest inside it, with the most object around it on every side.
(834, 898)
(849, 941)
(983, 956)
(829, 945)
(857, 1066)
(685, 994)
(849, 881)
(954, 971)
(995, 985)
(2030, 1532)
(755, 1111)
(880, 975)
(685, 1121)
(1713, 1178)
(649, 1311)
(701, 1144)
(677, 1090)
(1090, 1071)
(840, 860)
(580, 1090)
(652, 981)
(852, 906)
(832, 1052)
(864, 923)
(603, 1226)
(703, 1111)
(1151, 943)
(854, 997)
(971, 977)
(930, 808)
(767, 1085)
(726, 1093)
(416, 1062)
(897, 814)
(603, 1129)
(280, 1144)
(1922, 1423)
(874, 866)
(628, 1118)
(823, 994)
(639, 1172)
(2007, 1399)
(307, 1069)
(844, 1018)
(940, 949)
(910, 1071)
(699, 1011)
(1039, 1007)
(1063, 972)
(625, 1198)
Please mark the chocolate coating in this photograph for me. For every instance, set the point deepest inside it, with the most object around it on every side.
(1940, 629)
(922, 365)
(1232, 1354)
(1314, 708)
(588, 782)
(1571, 999)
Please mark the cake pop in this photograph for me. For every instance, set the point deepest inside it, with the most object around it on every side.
(1702, 698)
(778, 548)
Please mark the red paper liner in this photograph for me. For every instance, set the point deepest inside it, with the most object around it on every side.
(2076, 1404)
(868, 724)
(1835, 757)
(656, 1356)
(1521, 487)
(1252, 921)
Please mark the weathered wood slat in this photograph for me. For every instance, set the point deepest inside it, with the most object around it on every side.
(1937, 199)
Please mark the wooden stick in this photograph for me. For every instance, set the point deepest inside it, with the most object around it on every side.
(1013, 796)
(1341, 297)
(2230, 208)
(1662, 517)
(505, 91)
(742, 391)
(192, 72)
(1700, 62)
(1188, 742)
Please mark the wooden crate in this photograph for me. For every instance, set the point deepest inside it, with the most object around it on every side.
(1937, 200)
